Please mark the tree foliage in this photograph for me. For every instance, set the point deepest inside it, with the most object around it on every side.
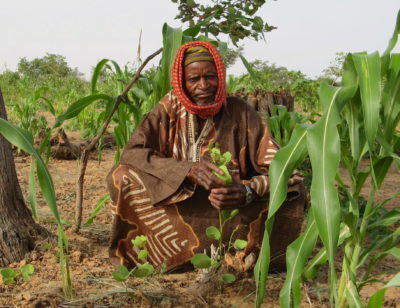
(50, 65)
(236, 18)
(270, 77)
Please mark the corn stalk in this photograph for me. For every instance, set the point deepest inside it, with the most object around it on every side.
(359, 121)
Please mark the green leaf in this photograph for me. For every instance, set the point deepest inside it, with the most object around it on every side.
(249, 68)
(395, 252)
(226, 177)
(172, 39)
(368, 67)
(233, 213)
(352, 296)
(387, 220)
(297, 255)
(143, 254)
(378, 297)
(24, 140)
(228, 278)
(393, 39)
(324, 150)
(78, 106)
(394, 282)
(26, 271)
(213, 233)
(195, 30)
(32, 191)
(143, 270)
(261, 270)
(239, 244)
(321, 257)
(103, 200)
(121, 274)
(96, 73)
(140, 241)
(391, 97)
(381, 167)
(283, 165)
(7, 275)
(201, 260)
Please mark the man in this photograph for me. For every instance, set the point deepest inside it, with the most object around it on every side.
(165, 188)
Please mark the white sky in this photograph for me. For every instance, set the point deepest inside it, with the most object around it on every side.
(309, 32)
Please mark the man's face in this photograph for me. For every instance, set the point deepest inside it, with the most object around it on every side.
(201, 82)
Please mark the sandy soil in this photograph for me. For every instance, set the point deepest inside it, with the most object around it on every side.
(91, 273)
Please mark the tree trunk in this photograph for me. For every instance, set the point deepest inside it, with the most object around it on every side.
(18, 230)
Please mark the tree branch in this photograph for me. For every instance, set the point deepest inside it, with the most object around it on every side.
(87, 149)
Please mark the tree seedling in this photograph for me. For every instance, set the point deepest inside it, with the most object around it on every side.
(141, 270)
(9, 275)
(201, 260)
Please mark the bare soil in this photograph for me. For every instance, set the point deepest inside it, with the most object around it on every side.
(92, 274)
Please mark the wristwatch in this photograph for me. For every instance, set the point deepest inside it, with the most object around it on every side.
(249, 194)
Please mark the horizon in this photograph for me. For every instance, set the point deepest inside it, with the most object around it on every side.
(306, 40)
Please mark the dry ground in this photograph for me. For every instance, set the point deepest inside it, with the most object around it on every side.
(91, 273)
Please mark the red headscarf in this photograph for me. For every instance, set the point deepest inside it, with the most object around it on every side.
(178, 80)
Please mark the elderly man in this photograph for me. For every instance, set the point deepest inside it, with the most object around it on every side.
(165, 186)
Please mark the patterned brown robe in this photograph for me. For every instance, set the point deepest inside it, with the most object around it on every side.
(152, 197)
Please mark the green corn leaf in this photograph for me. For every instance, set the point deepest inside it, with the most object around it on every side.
(321, 257)
(78, 106)
(24, 140)
(32, 191)
(17, 136)
(368, 67)
(324, 150)
(297, 254)
(172, 39)
(377, 299)
(282, 166)
(393, 39)
(261, 270)
(249, 68)
(352, 114)
(64, 262)
(391, 97)
(381, 167)
(387, 220)
(96, 73)
(103, 200)
(213, 233)
(353, 298)
(395, 252)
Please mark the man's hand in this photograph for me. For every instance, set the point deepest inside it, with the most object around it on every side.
(228, 198)
(201, 174)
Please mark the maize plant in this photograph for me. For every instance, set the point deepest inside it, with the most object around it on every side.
(359, 122)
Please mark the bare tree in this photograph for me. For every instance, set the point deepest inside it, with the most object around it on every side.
(18, 230)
